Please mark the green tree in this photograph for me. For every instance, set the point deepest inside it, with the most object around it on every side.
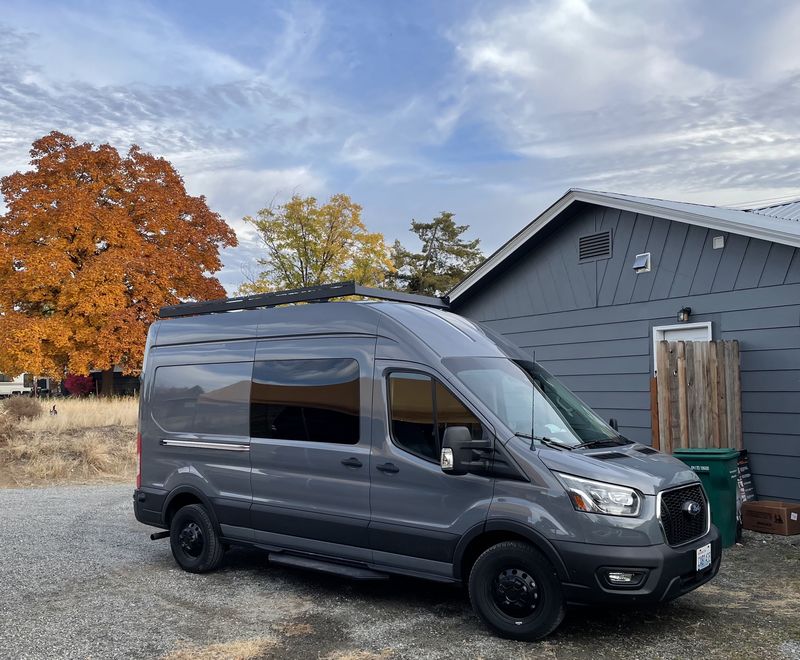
(308, 244)
(444, 260)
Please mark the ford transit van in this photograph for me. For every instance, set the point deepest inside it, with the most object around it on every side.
(385, 438)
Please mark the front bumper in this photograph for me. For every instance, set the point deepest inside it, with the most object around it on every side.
(668, 572)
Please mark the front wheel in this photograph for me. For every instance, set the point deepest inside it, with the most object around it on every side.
(514, 589)
(194, 541)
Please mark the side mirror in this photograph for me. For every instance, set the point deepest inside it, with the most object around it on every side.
(458, 448)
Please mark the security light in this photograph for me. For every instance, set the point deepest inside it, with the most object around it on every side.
(641, 264)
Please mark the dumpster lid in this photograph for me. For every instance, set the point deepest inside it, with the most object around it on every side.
(710, 453)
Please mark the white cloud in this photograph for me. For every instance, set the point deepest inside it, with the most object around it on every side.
(579, 55)
(236, 192)
(118, 44)
(622, 96)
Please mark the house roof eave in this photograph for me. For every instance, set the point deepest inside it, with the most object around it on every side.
(712, 217)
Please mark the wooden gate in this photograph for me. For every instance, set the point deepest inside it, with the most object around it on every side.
(697, 398)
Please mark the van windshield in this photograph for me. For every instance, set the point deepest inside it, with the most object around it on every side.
(530, 401)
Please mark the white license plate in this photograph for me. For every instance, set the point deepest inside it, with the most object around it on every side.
(703, 557)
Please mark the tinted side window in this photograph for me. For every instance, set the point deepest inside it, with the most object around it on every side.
(421, 409)
(451, 412)
(202, 398)
(412, 419)
(316, 400)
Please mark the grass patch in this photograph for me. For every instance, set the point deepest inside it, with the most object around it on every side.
(239, 650)
(88, 441)
(87, 413)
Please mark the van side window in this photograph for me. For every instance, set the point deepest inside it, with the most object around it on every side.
(202, 398)
(421, 409)
(411, 406)
(451, 412)
(313, 400)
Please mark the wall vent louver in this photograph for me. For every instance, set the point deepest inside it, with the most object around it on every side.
(594, 246)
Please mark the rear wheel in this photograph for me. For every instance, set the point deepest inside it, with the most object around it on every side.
(194, 541)
(514, 589)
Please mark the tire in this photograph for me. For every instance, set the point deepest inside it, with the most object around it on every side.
(194, 540)
(515, 590)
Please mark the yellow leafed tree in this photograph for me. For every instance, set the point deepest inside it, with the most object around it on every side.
(91, 245)
(307, 244)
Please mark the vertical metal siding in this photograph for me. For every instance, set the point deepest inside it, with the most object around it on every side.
(591, 324)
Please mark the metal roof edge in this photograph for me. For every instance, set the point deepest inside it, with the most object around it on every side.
(623, 203)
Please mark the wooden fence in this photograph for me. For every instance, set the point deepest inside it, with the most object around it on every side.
(697, 395)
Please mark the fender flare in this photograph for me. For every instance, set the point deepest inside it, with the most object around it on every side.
(204, 500)
(535, 538)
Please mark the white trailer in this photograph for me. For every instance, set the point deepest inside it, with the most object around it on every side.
(15, 385)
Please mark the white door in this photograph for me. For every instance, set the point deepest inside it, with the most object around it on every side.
(680, 332)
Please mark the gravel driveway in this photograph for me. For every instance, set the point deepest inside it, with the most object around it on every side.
(80, 578)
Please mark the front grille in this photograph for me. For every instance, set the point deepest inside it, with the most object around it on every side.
(679, 526)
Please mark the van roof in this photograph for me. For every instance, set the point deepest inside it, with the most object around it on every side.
(444, 333)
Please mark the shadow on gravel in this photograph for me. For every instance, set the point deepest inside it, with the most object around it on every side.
(750, 610)
(444, 600)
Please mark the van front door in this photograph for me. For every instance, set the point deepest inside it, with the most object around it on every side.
(309, 447)
(419, 513)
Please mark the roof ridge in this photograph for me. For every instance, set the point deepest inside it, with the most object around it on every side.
(772, 206)
(761, 226)
(655, 199)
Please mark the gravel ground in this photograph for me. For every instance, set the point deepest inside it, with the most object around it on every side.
(80, 578)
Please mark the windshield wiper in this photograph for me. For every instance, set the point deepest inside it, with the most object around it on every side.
(555, 444)
(613, 442)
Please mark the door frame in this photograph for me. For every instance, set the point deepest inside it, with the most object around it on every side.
(660, 330)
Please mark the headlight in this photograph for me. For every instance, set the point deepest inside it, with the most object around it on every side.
(597, 497)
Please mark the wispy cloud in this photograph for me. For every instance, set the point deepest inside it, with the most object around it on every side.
(607, 95)
(489, 111)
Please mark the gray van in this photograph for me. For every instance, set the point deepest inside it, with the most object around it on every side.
(377, 438)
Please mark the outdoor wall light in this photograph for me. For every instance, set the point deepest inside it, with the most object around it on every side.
(683, 314)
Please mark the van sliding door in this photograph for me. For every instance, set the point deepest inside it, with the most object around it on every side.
(310, 444)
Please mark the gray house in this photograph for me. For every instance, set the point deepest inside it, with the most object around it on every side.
(598, 278)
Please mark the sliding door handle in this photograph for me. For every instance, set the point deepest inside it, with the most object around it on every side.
(352, 462)
(389, 468)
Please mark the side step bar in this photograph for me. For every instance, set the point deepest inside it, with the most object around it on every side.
(352, 572)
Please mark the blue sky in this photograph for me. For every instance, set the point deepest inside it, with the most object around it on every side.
(487, 109)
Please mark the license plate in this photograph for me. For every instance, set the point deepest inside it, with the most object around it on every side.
(703, 556)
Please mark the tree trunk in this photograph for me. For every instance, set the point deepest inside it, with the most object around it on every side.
(107, 382)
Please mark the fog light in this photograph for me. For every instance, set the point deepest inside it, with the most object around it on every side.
(622, 578)
(618, 577)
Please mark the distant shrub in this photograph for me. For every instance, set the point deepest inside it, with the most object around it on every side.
(8, 424)
(79, 385)
(22, 407)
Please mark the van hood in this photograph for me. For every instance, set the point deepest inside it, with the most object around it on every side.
(635, 465)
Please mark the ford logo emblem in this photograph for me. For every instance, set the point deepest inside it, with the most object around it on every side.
(691, 508)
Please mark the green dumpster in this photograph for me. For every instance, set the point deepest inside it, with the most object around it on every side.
(719, 472)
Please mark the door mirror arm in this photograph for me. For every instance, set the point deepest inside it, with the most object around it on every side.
(459, 452)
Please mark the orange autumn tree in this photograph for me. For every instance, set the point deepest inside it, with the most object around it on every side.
(91, 245)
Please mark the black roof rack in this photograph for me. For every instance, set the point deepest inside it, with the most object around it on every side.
(320, 293)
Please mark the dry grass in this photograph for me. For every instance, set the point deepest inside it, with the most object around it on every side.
(89, 441)
(22, 407)
(85, 413)
(246, 649)
(358, 655)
